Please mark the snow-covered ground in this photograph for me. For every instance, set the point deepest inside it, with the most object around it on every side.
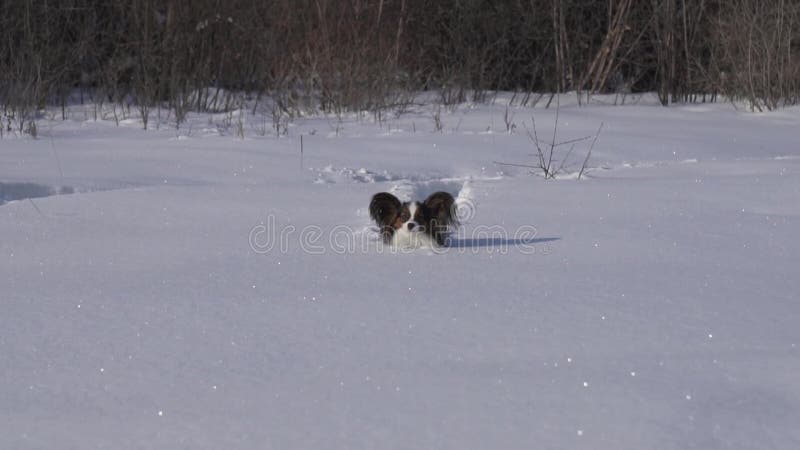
(193, 290)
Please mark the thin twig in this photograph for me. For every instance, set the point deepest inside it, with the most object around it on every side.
(555, 132)
(566, 158)
(589, 153)
(572, 141)
(516, 165)
(535, 140)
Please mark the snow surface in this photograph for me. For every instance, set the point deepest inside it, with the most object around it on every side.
(188, 289)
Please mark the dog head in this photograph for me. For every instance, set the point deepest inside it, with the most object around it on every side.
(432, 217)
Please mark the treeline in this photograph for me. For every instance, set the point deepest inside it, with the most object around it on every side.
(339, 55)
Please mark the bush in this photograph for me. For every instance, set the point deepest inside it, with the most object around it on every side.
(371, 55)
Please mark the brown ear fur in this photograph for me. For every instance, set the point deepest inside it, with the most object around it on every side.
(443, 214)
(384, 210)
(442, 206)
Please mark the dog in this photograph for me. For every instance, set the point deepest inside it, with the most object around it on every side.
(414, 224)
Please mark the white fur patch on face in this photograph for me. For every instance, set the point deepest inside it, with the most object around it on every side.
(412, 209)
(412, 212)
(405, 239)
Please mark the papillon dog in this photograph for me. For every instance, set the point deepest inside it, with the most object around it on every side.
(414, 224)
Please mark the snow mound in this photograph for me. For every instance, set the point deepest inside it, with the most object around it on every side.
(21, 191)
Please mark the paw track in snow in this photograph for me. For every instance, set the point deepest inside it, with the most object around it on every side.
(331, 175)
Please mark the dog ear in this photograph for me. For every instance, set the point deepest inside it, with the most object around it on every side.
(384, 208)
(442, 207)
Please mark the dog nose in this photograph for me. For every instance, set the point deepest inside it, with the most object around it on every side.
(411, 225)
